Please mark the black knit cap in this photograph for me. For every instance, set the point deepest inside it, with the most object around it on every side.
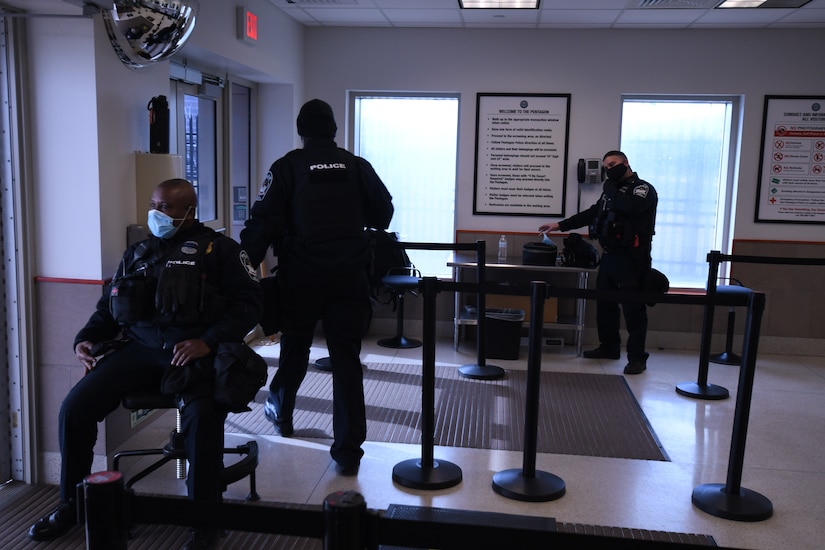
(316, 120)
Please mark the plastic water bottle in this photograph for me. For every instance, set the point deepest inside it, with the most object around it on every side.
(502, 249)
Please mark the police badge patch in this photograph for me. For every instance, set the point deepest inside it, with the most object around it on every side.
(641, 190)
(247, 263)
(189, 247)
(265, 186)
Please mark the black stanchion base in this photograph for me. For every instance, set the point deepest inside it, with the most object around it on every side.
(699, 391)
(746, 506)
(324, 363)
(541, 488)
(481, 372)
(726, 358)
(399, 342)
(411, 473)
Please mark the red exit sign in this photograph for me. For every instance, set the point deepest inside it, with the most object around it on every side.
(247, 26)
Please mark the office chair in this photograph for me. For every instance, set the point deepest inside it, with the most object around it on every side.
(175, 450)
(401, 280)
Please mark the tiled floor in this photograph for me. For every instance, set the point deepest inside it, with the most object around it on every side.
(783, 455)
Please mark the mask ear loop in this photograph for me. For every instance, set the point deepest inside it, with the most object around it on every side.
(183, 219)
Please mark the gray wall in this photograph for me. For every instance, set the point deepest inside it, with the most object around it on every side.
(596, 67)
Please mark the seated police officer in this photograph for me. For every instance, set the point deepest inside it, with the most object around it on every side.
(175, 296)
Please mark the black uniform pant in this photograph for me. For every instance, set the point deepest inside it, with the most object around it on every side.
(341, 302)
(622, 270)
(130, 368)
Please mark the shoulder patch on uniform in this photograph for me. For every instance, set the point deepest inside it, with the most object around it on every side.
(641, 190)
(247, 263)
(265, 186)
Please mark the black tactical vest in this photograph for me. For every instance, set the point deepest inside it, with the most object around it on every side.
(162, 284)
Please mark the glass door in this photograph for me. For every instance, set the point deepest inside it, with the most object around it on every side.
(197, 136)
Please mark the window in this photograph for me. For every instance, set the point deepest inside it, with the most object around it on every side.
(411, 140)
(686, 147)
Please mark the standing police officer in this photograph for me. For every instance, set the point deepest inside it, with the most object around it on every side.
(174, 298)
(623, 221)
(312, 210)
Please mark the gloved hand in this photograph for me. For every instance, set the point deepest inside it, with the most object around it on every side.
(175, 284)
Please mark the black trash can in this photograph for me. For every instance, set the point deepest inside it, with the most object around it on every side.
(503, 332)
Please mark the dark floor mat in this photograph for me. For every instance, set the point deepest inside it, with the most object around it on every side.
(21, 505)
(579, 414)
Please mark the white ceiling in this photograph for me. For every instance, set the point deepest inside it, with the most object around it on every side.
(552, 14)
(572, 14)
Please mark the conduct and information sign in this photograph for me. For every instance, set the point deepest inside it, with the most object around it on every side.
(792, 170)
(521, 154)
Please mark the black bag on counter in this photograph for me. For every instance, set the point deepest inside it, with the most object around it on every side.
(578, 252)
(539, 254)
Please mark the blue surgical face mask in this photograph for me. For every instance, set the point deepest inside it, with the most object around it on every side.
(162, 225)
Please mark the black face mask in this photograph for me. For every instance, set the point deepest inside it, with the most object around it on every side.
(617, 172)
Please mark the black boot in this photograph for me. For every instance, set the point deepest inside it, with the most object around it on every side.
(272, 411)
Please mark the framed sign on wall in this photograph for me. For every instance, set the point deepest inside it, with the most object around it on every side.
(521, 154)
(791, 185)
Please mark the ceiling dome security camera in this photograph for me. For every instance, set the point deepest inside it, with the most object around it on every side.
(145, 31)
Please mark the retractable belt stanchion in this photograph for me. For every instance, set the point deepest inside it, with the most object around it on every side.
(731, 500)
(426, 472)
(728, 357)
(103, 498)
(481, 370)
(344, 521)
(701, 389)
(526, 483)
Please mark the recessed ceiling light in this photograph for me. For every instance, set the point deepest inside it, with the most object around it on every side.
(498, 4)
(741, 4)
(763, 3)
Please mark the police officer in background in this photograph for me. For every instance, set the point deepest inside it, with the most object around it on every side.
(174, 298)
(623, 221)
(312, 210)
